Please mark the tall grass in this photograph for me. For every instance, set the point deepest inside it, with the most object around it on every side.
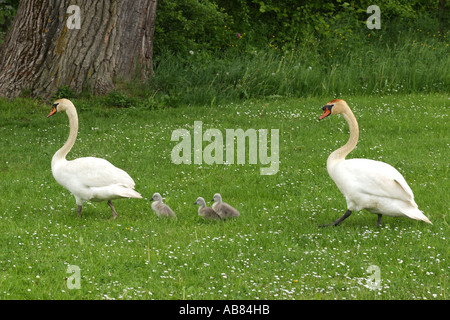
(332, 67)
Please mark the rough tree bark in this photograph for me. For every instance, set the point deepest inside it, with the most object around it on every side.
(43, 52)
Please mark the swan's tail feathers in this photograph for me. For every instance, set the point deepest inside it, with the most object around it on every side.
(416, 214)
(130, 193)
(113, 192)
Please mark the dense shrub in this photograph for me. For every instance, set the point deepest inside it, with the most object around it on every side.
(190, 25)
(184, 26)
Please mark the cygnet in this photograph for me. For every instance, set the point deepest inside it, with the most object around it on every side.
(204, 211)
(224, 210)
(161, 209)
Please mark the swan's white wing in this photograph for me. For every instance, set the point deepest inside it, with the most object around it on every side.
(94, 179)
(373, 178)
(97, 172)
(377, 187)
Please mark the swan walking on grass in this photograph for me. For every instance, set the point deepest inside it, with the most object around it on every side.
(367, 184)
(89, 178)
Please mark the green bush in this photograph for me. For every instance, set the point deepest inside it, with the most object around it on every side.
(8, 11)
(184, 26)
(65, 92)
(119, 99)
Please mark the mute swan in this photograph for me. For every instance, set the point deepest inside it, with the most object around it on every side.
(224, 210)
(88, 179)
(367, 184)
(161, 209)
(204, 211)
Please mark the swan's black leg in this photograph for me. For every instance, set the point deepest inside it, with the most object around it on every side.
(379, 220)
(345, 216)
(112, 209)
(79, 211)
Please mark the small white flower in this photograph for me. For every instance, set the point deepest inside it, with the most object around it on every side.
(191, 52)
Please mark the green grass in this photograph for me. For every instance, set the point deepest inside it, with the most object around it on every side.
(273, 251)
(343, 63)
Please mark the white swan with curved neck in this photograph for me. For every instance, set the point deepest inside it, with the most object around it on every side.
(367, 184)
(88, 179)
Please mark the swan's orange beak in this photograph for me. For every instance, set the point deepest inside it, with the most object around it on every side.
(326, 113)
(52, 112)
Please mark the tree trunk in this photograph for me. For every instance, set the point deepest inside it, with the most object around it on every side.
(87, 46)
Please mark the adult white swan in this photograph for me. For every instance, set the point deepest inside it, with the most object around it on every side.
(88, 179)
(367, 184)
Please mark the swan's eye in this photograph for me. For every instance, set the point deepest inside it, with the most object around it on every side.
(326, 111)
(327, 107)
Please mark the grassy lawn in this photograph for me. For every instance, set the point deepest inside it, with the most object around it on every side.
(273, 251)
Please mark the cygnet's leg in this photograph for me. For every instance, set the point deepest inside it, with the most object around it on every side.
(379, 220)
(345, 216)
(79, 211)
(112, 209)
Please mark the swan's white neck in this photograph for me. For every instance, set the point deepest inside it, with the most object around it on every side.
(340, 154)
(61, 154)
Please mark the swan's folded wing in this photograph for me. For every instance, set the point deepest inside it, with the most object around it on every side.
(377, 178)
(97, 172)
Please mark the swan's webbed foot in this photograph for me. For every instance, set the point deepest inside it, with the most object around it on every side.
(345, 216)
(379, 220)
(112, 209)
(79, 211)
